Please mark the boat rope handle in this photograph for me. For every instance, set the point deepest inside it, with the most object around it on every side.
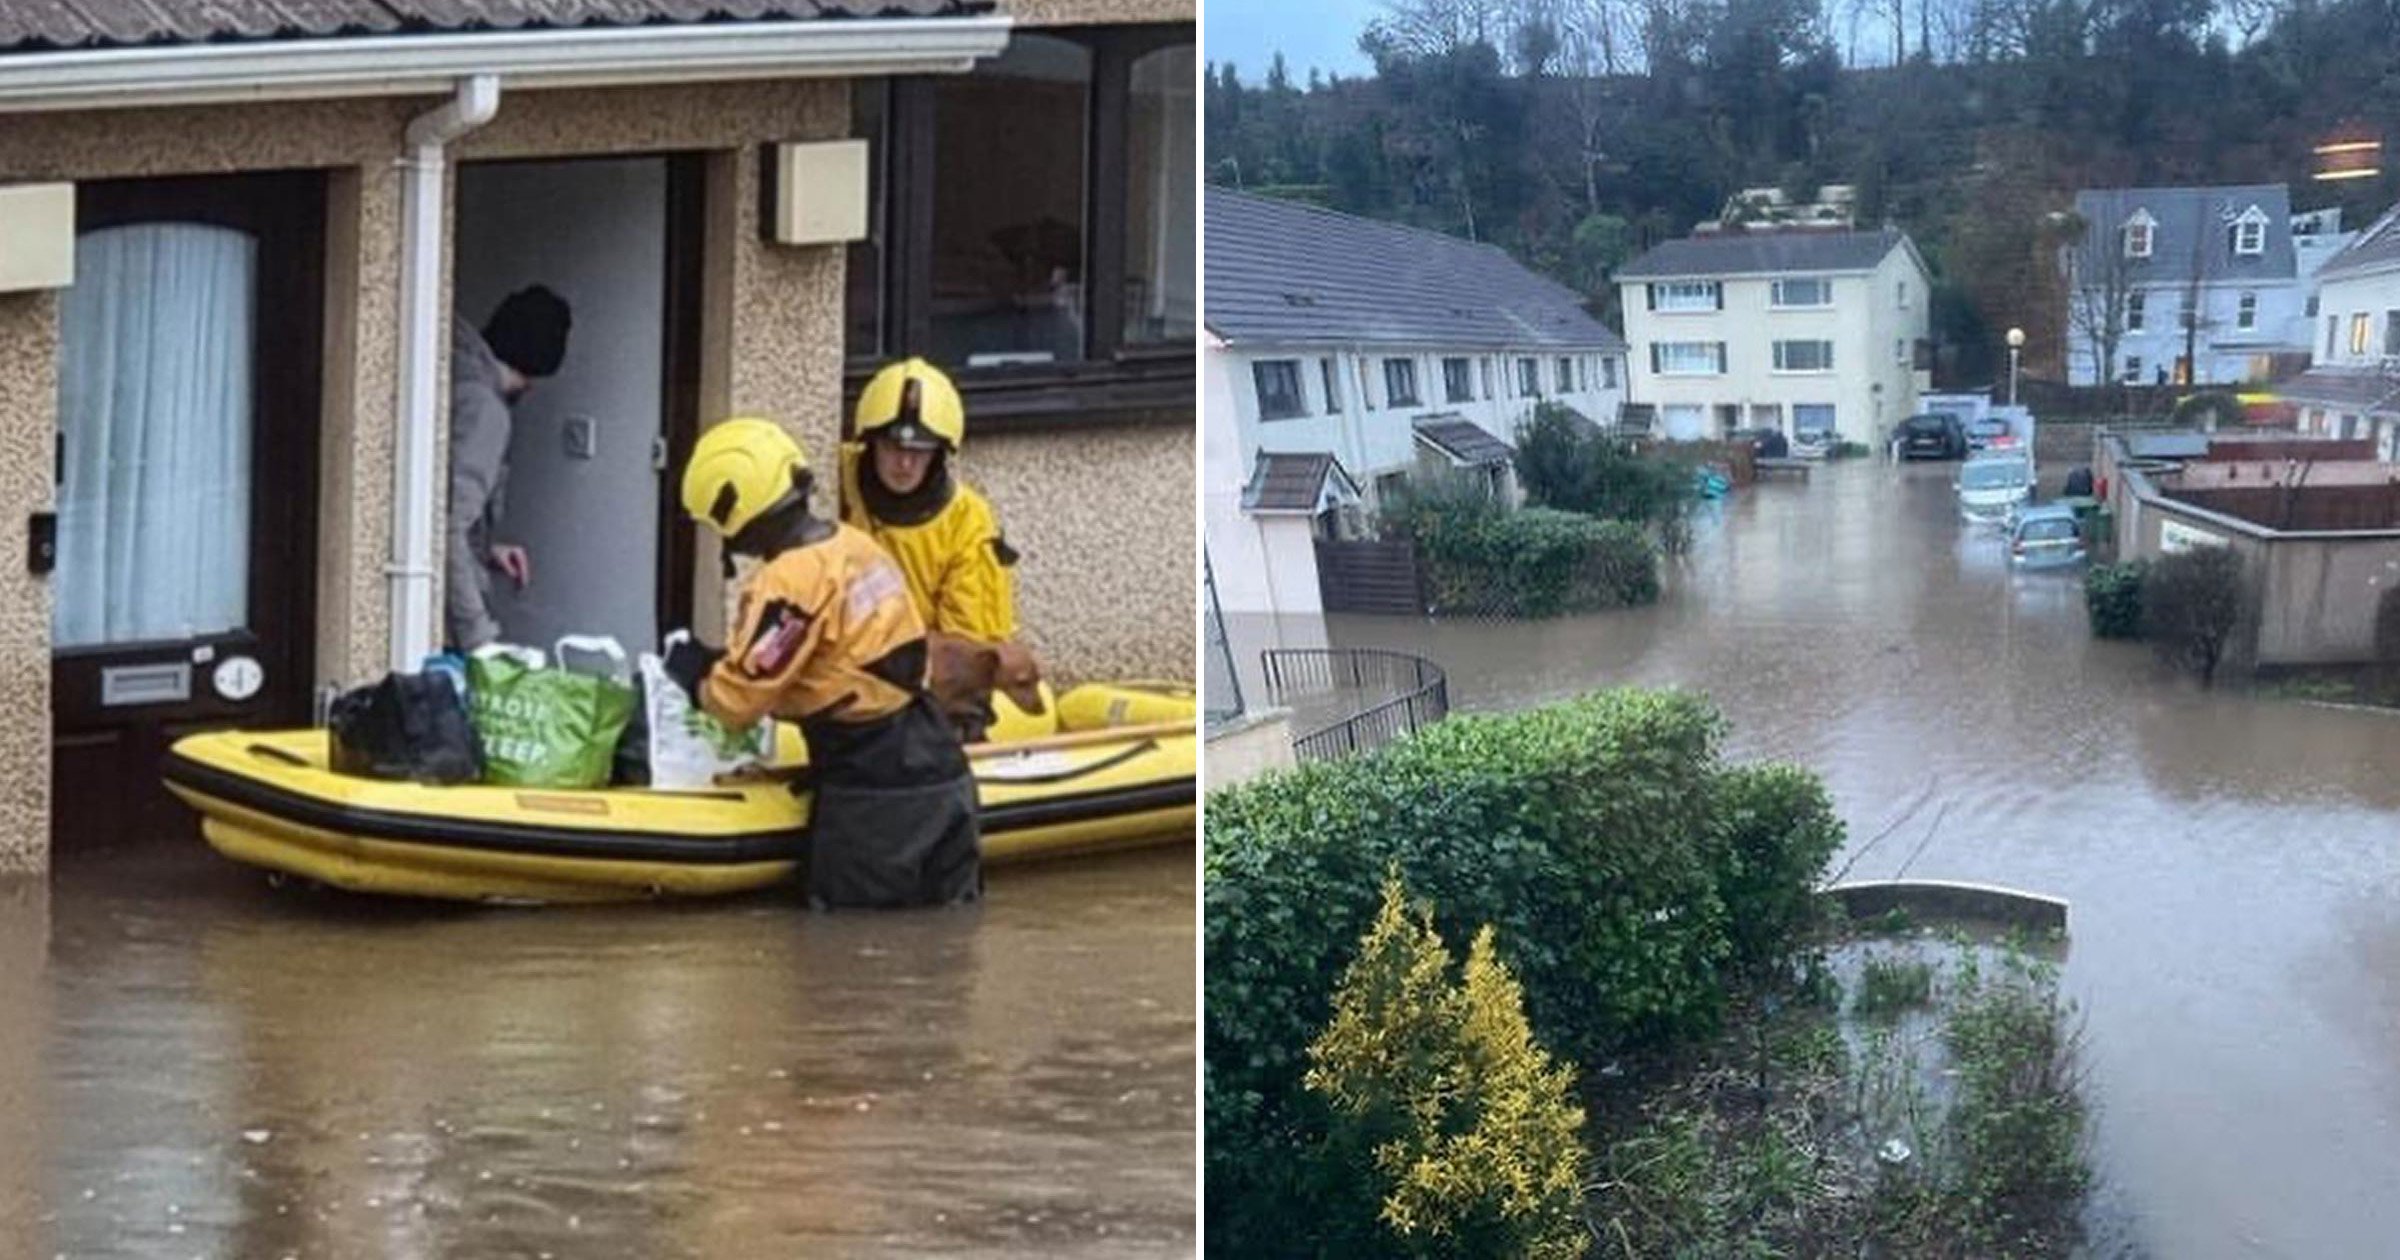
(1062, 776)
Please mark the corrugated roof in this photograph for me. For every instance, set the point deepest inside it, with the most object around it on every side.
(1282, 273)
(2193, 231)
(2351, 389)
(1462, 440)
(1784, 252)
(34, 25)
(2376, 249)
(1287, 481)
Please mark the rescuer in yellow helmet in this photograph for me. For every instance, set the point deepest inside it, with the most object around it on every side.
(897, 484)
(827, 638)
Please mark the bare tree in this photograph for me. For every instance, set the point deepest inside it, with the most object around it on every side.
(2100, 289)
(2210, 224)
(1432, 28)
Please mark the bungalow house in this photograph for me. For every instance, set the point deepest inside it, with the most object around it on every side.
(2353, 388)
(1804, 330)
(231, 237)
(2167, 276)
(1345, 356)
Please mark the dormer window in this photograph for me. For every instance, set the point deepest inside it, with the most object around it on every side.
(2250, 233)
(2138, 231)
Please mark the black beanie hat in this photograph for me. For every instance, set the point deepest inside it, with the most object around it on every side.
(529, 331)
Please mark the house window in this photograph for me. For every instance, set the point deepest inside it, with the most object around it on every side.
(1333, 385)
(1458, 380)
(1812, 417)
(2312, 306)
(1529, 378)
(1566, 374)
(1366, 387)
(1687, 358)
(2250, 235)
(1900, 351)
(1687, 295)
(2137, 307)
(2133, 369)
(2360, 326)
(2391, 334)
(2137, 235)
(1278, 383)
(2186, 312)
(1032, 223)
(1490, 389)
(1788, 294)
(1400, 382)
(1900, 294)
(1608, 371)
(2332, 328)
(1803, 356)
(2246, 315)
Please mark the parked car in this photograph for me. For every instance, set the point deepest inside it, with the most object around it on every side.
(1931, 436)
(2046, 537)
(1765, 443)
(1815, 443)
(1991, 434)
(1992, 487)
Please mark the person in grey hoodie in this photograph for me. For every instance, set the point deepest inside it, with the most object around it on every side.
(524, 340)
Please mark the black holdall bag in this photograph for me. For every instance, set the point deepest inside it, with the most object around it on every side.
(408, 726)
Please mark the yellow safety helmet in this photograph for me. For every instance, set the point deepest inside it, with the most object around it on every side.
(739, 471)
(913, 403)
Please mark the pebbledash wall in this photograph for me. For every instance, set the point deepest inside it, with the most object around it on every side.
(1103, 512)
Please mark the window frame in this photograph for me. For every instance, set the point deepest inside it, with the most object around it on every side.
(1566, 373)
(1258, 386)
(1658, 358)
(1608, 371)
(1327, 367)
(1401, 370)
(2137, 311)
(1780, 355)
(2245, 311)
(1661, 290)
(2391, 334)
(1116, 379)
(2362, 327)
(1777, 302)
(2251, 227)
(1461, 387)
(1529, 377)
(2139, 227)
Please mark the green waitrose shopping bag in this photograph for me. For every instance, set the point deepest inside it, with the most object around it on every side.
(544, 726)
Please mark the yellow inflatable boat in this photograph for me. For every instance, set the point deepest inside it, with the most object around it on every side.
(270, 801)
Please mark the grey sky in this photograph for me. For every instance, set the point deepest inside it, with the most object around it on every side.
(1320, 33)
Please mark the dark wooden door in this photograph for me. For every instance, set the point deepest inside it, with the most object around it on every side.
(189, 395)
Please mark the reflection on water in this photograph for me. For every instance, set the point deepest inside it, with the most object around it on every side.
(2233, 863)
(212, 1067)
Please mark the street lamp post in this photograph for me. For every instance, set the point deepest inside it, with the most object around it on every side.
(2016, 346)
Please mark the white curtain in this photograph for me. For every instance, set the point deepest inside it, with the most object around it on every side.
(154, 410)
(1160, 261)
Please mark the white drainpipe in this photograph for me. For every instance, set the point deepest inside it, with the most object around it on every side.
(422, 327)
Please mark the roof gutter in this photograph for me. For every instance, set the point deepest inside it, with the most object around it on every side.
(410, 65)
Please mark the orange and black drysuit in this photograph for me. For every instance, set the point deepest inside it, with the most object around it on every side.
(828, 639)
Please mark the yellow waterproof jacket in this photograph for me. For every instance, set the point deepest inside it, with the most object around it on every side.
(826, 634)
(956, 561)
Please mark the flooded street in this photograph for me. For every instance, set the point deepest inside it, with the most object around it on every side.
(200, 1065)
(2233, 863)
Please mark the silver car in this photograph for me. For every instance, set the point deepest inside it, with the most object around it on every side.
(2046, 537)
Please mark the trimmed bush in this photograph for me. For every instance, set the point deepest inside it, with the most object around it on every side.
(1441, 1087)
(2112, 594)
(1610, 850)
(1479, 557)
(2193, 603)
(1563, 463)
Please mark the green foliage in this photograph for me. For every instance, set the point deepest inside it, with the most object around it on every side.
(1889, 985)
(2017, 1122)
(1470, 1126)
(1563, 464)
(1480, 557)
(1610, 850)
(2193, 603)
(1780, 831)
(2112, 595)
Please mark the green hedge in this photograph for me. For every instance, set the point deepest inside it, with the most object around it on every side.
(2112, 594)
(1480, 557)
(1627, 872)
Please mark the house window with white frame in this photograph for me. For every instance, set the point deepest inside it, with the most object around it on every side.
(1400, 382)
(1900, 351)
(2333, 325)
(1679, 296)
(2245, 316)
(1789, 295)
(1529, 378)
(2138, 234)
(1900, 294)
(1566, 374)
(1812, 417)
(2250, 233)
(1803, 356)
(1278, 382)
(2391, 334)
(1333, 385)
(1608, 371)
(1458, 380)
(2187, 313)
(1366, 385)
(2361, 326)
(2136, 311)
(1687, 358)
(1491, 388)
(2133, 369)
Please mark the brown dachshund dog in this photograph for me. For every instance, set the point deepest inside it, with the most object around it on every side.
(962, 673)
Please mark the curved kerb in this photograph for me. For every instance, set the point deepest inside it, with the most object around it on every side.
(1933, 899)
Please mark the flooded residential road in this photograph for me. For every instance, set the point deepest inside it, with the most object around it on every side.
(195, 1064)
(2233, 863)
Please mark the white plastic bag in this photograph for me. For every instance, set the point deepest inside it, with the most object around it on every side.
(688, 748)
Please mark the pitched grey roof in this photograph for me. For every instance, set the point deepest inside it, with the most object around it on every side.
(2348, 389)
(1463, 440)
(2189, 217)
(2376, 249)
(1783, 252)
(1283, 273)
(1282, 481)
(98, 24)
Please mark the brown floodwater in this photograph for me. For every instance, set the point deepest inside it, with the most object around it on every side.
(2233, 862)
(193, 1063)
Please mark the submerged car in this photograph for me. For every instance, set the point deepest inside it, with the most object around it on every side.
(1931, 436)
(2046, 537)
(1991, 487)
(1991, 434)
